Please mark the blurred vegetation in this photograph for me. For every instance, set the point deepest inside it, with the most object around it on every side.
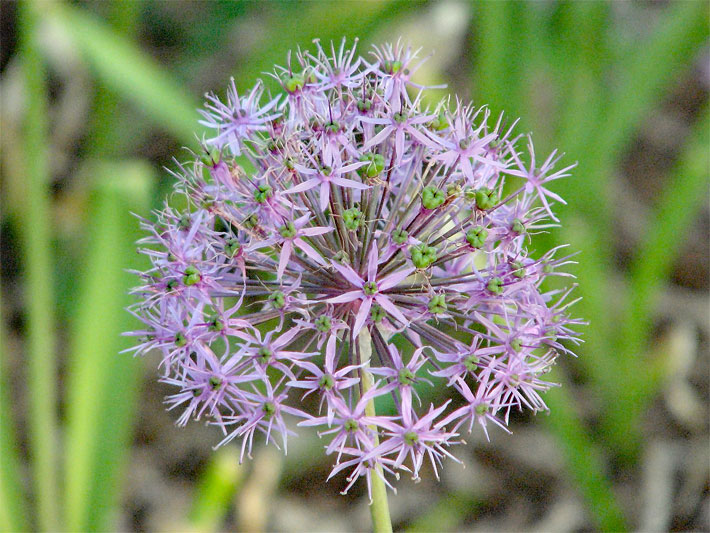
(571, 70)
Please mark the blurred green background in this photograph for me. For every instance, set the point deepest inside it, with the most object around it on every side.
(97, 97)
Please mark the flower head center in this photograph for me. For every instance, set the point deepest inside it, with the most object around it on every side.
(406, 376)
(326, 382)
(370, 288)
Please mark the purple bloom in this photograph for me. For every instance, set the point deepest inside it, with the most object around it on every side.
(363, 215)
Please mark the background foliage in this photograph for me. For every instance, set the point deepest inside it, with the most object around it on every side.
(98, 96)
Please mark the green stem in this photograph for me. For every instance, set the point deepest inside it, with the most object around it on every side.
(36, 239)
(379, 509)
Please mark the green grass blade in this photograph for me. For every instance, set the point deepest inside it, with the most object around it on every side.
(598, 144)
(216, 489)
(35, 234)
(447, 514)
(583, 459)
(685, 193)
(124, 68)
(103, 139)
(498, 63)
(647, 75)
(102, 383)
(13, 506)
(298, 23)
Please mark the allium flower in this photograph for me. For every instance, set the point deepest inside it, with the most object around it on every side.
(355, 214)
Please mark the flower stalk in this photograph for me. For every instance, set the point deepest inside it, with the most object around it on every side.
(379, 508)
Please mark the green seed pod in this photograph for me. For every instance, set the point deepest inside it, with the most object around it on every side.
(469, 194)
(232, 247)
(437, 304)
(251, 222)
(185, 222)
(277, 299)
(370, 288)
(406, 377)
(323, 323)
(352, 218)
(486, 198)
(294, 83)
(341, 257)
(471, 363)
(264, 354)
(364, 105)
(518, 269)
(269, 409)
(326, 381)
(375, 166)
(440, 122)
(453, 190)
(495, 285)
(432, 197)
(423, 255)
(516, 344)
(211, 157)
(180, 340)
(263, 193)
(392, 66)
(192, 276)
(411, 438)
(215, 382)
(476, 237)
(377, 314)
(216, 324)
(518, 226)
(288, 230)
(399, 236)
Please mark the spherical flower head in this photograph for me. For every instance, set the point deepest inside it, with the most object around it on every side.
(344, 211)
